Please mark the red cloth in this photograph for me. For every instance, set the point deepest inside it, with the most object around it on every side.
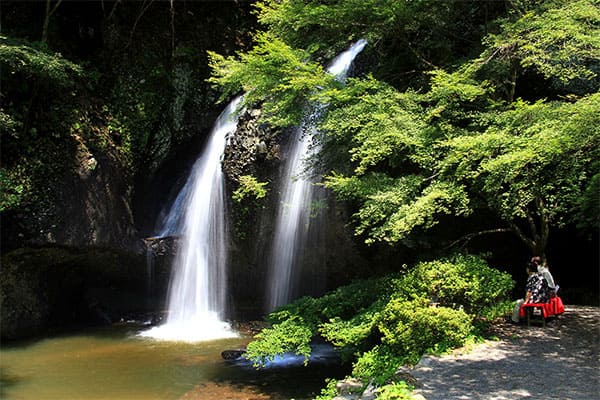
(554, 307)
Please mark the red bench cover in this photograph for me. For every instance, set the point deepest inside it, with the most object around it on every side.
(554, 307)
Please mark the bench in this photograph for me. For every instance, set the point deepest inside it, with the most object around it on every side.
(553, 307)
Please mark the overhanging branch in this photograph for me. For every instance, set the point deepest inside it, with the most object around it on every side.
(467, 238)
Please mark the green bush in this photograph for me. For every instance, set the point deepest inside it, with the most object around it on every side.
(412, 328)
(291, 335)
(380, 363)
(386, 322)
(464, 281)
(394, 391)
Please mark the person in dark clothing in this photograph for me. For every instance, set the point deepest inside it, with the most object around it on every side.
(536, 290)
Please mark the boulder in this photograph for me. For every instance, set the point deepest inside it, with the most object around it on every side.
(232, 354)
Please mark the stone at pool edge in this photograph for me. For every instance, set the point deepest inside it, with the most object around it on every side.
(232, 354)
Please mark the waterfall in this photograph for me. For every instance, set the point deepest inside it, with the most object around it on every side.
(293, 216)
(197, 291)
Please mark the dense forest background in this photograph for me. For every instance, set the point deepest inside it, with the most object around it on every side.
(468, 126)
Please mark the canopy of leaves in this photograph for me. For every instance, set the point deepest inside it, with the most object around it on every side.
(540, 151)
(461, 143)
(282, 78)
(562, 41)
(455, 149)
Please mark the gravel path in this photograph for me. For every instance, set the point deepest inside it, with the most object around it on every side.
(557, 362)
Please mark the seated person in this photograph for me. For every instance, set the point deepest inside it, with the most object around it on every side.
(542, 268)
(536, 290)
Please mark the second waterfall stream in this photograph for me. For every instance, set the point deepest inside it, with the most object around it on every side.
(293, 216)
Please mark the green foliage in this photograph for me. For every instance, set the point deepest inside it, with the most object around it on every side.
(395, 391)
(389, 216)
(562, 41)
(380, 122)
(412, 328)
(385, 322)
(379, 363)
(248, 187)
(290, 335)
(590, 203)
(8, 125)
(535, 154)
(36, 61)
(322, 25)
(14, 187)
(351, 332)
(455, 149)
(463, 281)
(404, 34)
(393, 208)
(457, 142)
(329, 391)
(281, 77)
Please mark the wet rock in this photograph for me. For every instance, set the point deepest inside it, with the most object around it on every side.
(49, 287)
(162, 246)
(252, 143)
(232, 354)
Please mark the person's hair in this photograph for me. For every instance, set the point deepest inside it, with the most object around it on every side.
(531, 267)
(537, 260)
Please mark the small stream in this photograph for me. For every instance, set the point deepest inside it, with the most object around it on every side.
(114, 363)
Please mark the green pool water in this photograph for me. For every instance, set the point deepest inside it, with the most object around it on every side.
(113, 363)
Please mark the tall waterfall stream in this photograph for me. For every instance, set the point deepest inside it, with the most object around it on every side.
(197, 292)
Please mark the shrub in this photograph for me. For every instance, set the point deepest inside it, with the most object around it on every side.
(380, 363)
(386, 322)
(291, 335)
(394, 391)
(249, 187)
(464, 281)
(412, 328)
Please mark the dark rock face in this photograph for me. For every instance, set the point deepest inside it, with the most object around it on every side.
(87, 201)
(253, 147)
(50, 287)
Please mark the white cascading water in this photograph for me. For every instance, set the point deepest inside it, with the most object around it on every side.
(293, 216)
(197, 291)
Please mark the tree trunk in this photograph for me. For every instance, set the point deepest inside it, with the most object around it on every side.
(49, 12)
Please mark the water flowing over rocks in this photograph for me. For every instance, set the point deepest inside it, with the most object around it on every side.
(162, 246)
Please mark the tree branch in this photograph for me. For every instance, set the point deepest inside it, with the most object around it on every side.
(467, 238)
(55, 7)
(112, 11)
(420, 57)
(532, 226)
(544, 224)
(529, 242)
(144, 7)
